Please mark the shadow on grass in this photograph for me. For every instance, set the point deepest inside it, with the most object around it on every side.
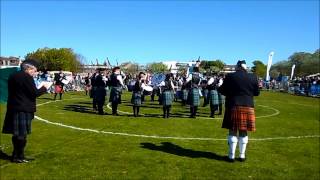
(170, 148)
(4, 156)
(79, 108)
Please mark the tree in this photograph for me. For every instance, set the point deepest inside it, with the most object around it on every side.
(259, 68)
(157, 67)
(57, 59)
(212, 66)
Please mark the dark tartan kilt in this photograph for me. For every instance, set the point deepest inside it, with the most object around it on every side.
(115, 95)
(17, 123)
(100, 95)
(185, 94)
(239, 118)
(194, 97)
(136, 98)
(213, 97)
(167, 98)
(93, 92)
(221, 98)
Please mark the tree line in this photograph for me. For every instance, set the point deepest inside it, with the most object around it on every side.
(305, 64)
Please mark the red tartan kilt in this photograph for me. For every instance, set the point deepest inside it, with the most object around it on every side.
(239, 118)
(58, 89)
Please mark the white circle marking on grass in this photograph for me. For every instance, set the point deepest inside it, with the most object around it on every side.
(160, 137)
(276, 112)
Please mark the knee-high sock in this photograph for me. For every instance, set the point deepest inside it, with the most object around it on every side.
(195, 108)
(232, 141)
(220, 108)
(21, 143)
(60, 96)
(114, 108)
(55, 96)
(243, 141)
(138, 109)
(15, 147)
(212, 110)
(164, 111)
(134, 110)
(168, 111)
(191, 111)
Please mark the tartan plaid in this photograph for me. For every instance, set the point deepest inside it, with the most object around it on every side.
(239, 118)
(18, 123)
(185, 94)
(115, 95)
(213, 97)
(194, 97)
(167, 98)
(136, 98)
(221, 98)
(58, 89)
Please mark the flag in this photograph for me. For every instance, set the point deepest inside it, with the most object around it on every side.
(269, 65)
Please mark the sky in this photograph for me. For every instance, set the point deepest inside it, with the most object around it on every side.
(156, 31)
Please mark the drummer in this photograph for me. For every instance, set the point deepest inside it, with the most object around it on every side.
(137, 93)
(167, 94)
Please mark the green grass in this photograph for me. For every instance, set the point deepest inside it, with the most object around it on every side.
(63, 153)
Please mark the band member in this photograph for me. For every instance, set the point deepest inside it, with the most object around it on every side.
(205, 91)
(137, 93)
(93, 89)
(221, 97)
(194, 94)
(116, 83)
(167, 94)
(213, 95)
(58, 88)
(184, 90)
(21, 106)
(87, 83)
(239, 89)
(100, 93)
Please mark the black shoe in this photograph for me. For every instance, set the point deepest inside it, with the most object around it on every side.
(212, 116)
(220, 113)
(19, 161)
(27, 158)
(242, 159)
(229, 160)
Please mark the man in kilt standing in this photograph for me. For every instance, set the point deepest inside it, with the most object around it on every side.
(194, 95)
(116, 83)
(239, 89)
(167, 94)
(21, 106)
(137, 94)
(58, 88)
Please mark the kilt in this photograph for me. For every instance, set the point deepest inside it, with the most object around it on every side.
(221, 98)
(239, 118)
(167, 98)
(58, 89)
(185, 94)
(213, 97)
(136, 98)
(194, 97)
(115, 95)
(17, 123)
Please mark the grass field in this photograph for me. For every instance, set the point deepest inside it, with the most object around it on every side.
(65, 153)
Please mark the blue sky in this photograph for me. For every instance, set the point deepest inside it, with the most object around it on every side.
(148, 31)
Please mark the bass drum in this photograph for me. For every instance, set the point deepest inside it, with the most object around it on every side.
(147, 90)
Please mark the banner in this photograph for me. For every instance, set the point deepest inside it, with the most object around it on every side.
(269, 66)
(292, 71)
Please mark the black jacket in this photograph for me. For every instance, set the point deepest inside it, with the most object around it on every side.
(239, 89)
(22, 93)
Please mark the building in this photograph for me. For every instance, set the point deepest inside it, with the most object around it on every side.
(6, 62)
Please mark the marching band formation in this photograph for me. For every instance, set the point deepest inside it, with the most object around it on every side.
(236, 89)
